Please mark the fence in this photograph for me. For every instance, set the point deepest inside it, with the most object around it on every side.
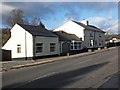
(6, 55)
(113, 44)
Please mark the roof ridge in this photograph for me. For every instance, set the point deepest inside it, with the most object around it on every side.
(88, 26)
(28, 25)
(37, 30)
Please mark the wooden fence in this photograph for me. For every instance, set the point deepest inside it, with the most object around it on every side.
(6, 55)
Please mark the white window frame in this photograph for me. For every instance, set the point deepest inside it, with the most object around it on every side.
(18, 48)
(73, 45)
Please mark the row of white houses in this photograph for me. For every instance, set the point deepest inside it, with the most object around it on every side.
(29, 41)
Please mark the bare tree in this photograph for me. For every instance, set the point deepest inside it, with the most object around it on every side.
(41, 24)
(17, 16)
(35, 21)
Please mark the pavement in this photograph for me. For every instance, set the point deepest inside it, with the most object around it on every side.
(10, 65)
(112, 82)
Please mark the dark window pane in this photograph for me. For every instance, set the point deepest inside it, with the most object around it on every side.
(39, 47)
(52, 47)
(38, 44)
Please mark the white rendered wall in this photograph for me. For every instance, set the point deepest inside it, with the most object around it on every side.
(72, 28)
(18, 35)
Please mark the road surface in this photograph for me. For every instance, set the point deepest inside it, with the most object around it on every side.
(89, 71)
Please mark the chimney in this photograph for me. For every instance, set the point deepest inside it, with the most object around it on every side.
(85, 22)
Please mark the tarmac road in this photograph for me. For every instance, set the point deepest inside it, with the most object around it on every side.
(89, 71)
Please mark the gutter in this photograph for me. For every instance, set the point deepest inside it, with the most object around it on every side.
(34, 47)
(25, 47)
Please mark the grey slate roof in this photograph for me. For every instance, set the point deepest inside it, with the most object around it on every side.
(90, 27)
(63, 36)
(37, 30)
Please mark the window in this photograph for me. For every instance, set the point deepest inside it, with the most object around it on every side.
(39, 47)
(71, 45)
(18, 48)
(79, 45)
(100, 42)
(99, 35)
(75, 45)
(95, 42)
(52, 47)
(91, 34)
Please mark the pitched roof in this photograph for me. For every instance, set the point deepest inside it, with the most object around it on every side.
(63, 36)
(37, 30)
(90, 27)
(109, 37)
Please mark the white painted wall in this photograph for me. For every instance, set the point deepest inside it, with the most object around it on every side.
(18, 37)
(29, 46)
(8, 45)
(46, 45)
(72, 28)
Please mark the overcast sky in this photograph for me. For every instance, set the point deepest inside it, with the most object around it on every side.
(53, 14)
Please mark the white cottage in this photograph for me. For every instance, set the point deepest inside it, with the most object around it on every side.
(92, 36)
(29, 42)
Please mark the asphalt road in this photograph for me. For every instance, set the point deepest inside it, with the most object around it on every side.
(89, 71)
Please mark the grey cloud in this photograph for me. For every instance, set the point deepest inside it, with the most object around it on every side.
(48, 10)
(32, 9)
(73, 14)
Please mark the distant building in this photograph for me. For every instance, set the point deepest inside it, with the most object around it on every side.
(30, 42)
(113, 38)
(68, 42)
(92, 36)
